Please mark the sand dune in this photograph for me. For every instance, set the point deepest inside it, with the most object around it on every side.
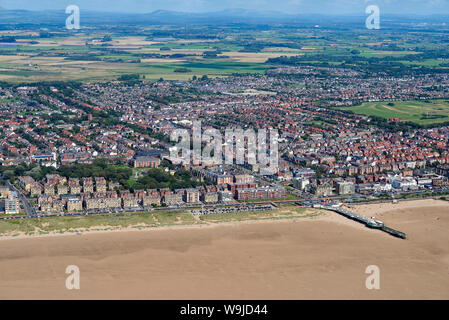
(320, 258)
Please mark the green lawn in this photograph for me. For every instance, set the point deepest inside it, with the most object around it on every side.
(113, 221)
(13, 215)
(212, 68)
(73, 224)
(420, 112)
(135, 175)
(283, 213)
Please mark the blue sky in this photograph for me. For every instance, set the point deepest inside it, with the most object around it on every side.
(287, 6)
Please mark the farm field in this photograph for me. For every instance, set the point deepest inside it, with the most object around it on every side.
(86, 56)
(77, 57)
(419, 112)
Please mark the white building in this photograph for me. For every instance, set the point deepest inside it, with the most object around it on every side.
(11, 205)
(404, 183)
(300, 183)
(382, 187)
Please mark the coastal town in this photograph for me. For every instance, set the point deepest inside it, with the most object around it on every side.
(125, 127)
(224, 158)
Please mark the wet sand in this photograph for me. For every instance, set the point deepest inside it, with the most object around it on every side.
(318, 258)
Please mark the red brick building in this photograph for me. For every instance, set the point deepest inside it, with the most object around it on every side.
(146, 162)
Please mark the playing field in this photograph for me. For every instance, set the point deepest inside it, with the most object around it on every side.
(420, 112)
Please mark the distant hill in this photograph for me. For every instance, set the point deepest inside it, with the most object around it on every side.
(56, 18)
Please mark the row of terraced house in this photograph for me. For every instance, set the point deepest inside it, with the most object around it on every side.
(126, 200)
(58, 185)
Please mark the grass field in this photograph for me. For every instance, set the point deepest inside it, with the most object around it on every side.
(420, 112)
(25, 62)
(29, 69)
(282, 213)
(137, 173)
(74, 224)
(67, 56)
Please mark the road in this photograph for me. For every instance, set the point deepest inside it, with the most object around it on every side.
(140, 210)
(26, 203)
(302, 202)
(305, 200)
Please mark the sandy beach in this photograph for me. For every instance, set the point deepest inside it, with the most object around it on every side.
(312, 258)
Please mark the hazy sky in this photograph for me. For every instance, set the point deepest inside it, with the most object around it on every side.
(287, 6)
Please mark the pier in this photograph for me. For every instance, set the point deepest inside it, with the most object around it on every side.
(368, 222)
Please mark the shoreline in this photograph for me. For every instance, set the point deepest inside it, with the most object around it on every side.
(400, 205)
(320, 257)
(94, 230)
(320, 215)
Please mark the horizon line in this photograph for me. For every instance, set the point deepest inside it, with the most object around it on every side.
(251, 11)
